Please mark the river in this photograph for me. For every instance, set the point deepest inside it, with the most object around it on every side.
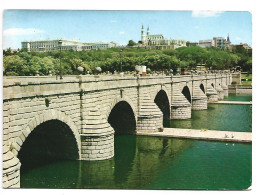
(143, 162)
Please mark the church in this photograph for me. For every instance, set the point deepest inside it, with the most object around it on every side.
(159, 40)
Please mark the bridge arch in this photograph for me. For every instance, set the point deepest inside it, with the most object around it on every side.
(157, 90)
(42, 120)
(119, 99)
(186, 92)
(202, 87)
(162, 101)
(122, 116)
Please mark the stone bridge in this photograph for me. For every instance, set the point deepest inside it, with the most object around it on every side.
(77, 117)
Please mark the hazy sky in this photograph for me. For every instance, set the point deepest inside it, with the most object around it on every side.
(121, 26)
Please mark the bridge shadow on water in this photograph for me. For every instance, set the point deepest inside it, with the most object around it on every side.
(49, 142)
(122, 119)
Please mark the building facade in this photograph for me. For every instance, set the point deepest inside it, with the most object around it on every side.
(56, 45)
(220, 42)
(159, 40)
(206, 43)
(242, 45)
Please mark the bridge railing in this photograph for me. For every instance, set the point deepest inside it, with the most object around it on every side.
(20, 80)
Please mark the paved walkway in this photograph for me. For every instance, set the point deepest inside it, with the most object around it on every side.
(231, 102)
(203, 134)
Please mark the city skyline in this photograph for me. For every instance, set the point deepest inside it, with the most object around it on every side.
(122, 26)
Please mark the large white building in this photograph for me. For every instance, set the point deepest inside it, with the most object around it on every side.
(56, 45)
(159, 40)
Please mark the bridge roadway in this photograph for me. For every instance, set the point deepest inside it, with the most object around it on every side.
(80, 114)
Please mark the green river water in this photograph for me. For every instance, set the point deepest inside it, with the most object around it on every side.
(143, 162)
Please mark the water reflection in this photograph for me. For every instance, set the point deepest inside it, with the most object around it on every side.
(238, 97)
(217, 117)
(137, 160)
(154, 163)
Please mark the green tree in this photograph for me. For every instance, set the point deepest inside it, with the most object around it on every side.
(131, 43)
(14, 66)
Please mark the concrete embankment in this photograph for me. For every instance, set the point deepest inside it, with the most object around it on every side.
(240, 89)
(203, 134)
(232, 102)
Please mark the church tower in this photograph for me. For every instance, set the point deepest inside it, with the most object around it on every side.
(148, 31)
(227, 43)
(228, 40)
(142, 35)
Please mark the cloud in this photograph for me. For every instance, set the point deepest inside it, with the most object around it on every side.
(113, 21)
(21, 31)
(121, 33)
(205, 14)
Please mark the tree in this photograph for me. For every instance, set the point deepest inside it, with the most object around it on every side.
(14, 66)
(27, 63)
(131, 43)
(7, 52)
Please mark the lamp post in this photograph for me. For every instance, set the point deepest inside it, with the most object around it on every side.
(121, 60)
(179, 66)
(59, 44)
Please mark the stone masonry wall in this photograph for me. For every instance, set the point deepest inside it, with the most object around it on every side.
(84, 104)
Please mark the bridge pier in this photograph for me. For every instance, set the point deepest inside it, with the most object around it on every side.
(212, 95)
(11, 169)
(180, 106)
(97, 138)
(225, 87)
(150, 117)
(199, 99)
(220, 92)
(225, 90)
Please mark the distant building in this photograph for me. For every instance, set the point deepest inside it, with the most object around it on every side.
(242, 45)
(159, 40)
(206, 43)
(188, 43)
(55, 45)
(220, 42)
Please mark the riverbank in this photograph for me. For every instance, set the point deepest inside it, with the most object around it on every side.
(203, 134)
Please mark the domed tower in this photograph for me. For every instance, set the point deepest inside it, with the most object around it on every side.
(142, 35)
